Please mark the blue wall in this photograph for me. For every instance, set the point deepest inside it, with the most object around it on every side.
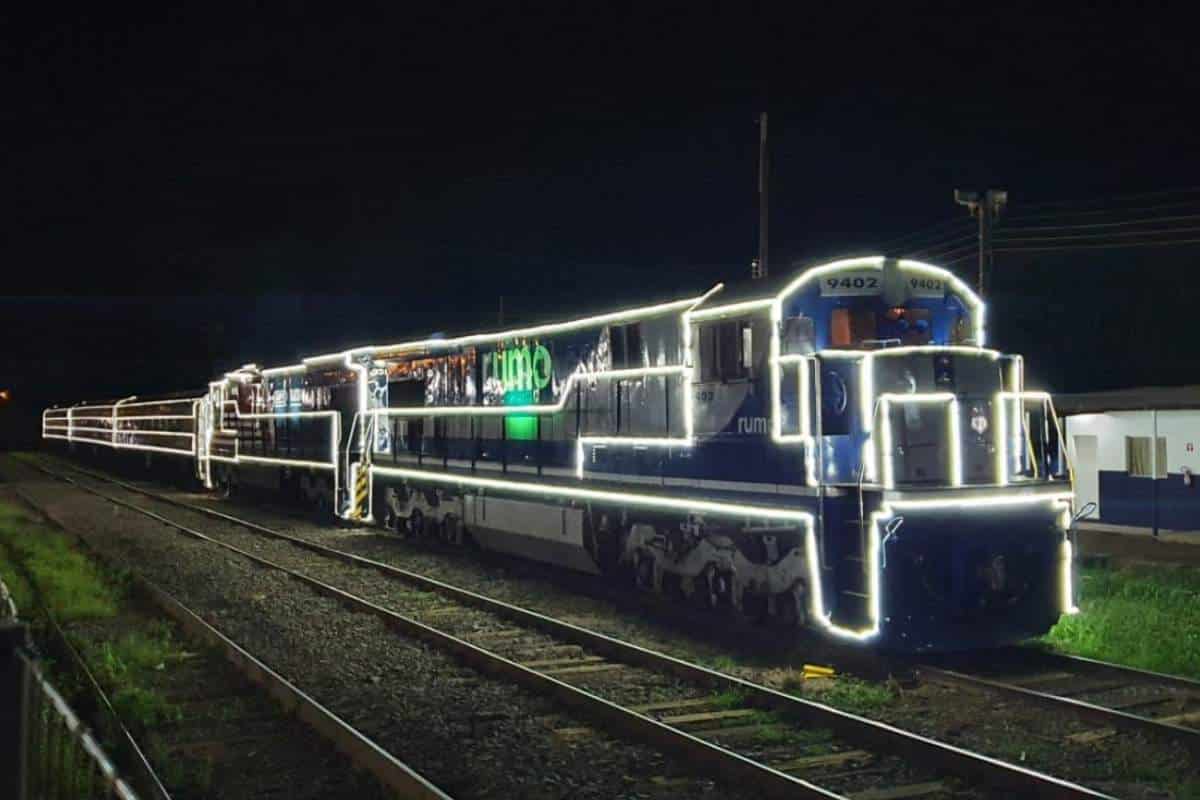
(1129, 501)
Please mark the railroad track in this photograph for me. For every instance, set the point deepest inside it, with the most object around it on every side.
(226, 721)
(1113, 696)
(741, 732)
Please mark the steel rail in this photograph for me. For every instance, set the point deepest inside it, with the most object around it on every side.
(1092, 712)
(723, 764)
(853, 728)
(359, 749)
(1092, 665)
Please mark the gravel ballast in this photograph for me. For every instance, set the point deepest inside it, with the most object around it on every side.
(1125, 764)
(470, 735)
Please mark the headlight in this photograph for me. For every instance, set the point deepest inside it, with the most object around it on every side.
(979, 424)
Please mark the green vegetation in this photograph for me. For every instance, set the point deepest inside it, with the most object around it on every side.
(132, 654)
(125, 666)
(842, 691)
(854, 695)
(86, 600)
(1145, 616)
(730, 698)
(72, 586)
(722, 663)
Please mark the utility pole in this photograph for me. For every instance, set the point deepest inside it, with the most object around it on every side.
(758, 268)
(984, 206)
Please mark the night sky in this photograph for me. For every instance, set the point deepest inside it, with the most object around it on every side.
(187, 194)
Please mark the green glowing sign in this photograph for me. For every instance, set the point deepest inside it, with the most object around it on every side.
(522, 369)
(523, 372)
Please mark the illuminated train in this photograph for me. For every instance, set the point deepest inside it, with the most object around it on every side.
(840, 452)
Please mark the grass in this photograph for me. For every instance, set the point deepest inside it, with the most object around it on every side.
(728, 699)
(124, 667)
(73, 587)
(133, 654)
(842, 691)
(854, 695)
(77, 590)
(1145, 616)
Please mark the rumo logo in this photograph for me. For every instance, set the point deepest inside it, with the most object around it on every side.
(522, 369)
(752, 425)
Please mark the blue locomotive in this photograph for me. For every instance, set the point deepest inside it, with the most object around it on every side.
(840, 451)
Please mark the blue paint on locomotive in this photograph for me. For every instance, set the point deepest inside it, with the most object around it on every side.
(958, 579)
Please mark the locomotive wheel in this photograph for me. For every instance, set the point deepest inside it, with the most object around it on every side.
(789, 609)
(451, 530)
(416, 523)
(644, 573)
(705, 586)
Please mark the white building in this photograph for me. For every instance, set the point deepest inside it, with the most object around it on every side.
(1136, 453)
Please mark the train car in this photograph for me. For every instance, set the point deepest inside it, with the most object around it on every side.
(156, 432)
(839, 451)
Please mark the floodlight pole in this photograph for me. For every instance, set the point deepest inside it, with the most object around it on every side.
(984, 206)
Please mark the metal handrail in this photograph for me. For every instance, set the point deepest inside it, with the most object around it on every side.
(8, 608)
(75, 729)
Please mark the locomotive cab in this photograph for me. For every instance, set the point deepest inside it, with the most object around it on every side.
(946, 490)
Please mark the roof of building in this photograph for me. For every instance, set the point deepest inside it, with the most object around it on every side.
(1141, 398)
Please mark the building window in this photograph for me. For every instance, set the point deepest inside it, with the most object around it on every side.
(1139, 462)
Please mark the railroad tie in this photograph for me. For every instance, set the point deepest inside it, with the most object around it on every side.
(553, 663)
(561, 650)
(1087, 737)
(1180, 719)
(900, 792)
(1078, 689)
(1100, 734)
(827, 760)
(735, 733)
(1138, 702)
(1046, 677)
(437, 611)
(497, 635)
(577, 732)
(584, 670)
(708, 716)
(667, 705)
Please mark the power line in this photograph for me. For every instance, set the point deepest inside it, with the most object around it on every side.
(1108, 246)
(973, 247)
(1163, 193)
(1091, 237)
(944, 243)
(921, 233)
(1124, 223)
(1094, 212)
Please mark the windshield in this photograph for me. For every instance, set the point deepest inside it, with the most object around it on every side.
(862, 327)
